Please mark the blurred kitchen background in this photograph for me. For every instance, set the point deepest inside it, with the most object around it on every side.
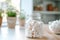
(49, 10)
(45, 10)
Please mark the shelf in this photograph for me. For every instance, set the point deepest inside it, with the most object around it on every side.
(46, 12)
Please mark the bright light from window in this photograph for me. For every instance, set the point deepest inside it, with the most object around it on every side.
(16, 4)
(2, 0)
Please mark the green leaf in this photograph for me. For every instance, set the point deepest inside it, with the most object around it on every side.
(22, 16)
(11, 13)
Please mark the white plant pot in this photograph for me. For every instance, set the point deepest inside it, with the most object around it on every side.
(22, 22)
(11, 22)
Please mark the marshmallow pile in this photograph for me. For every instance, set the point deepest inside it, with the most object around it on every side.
(34, 29)
(55, 26)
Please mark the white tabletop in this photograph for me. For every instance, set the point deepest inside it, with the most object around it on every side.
(19, 34)
(12, 34)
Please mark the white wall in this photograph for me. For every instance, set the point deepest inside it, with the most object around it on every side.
(26, 5)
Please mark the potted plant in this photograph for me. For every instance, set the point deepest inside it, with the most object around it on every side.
(1, 11)
(11, 19)
(0, 18)
(22, 19)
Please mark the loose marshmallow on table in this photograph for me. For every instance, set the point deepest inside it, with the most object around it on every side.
(55, 26)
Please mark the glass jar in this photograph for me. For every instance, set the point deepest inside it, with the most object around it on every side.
(34, 29)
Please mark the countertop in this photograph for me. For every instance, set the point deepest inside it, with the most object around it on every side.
(19, 34)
